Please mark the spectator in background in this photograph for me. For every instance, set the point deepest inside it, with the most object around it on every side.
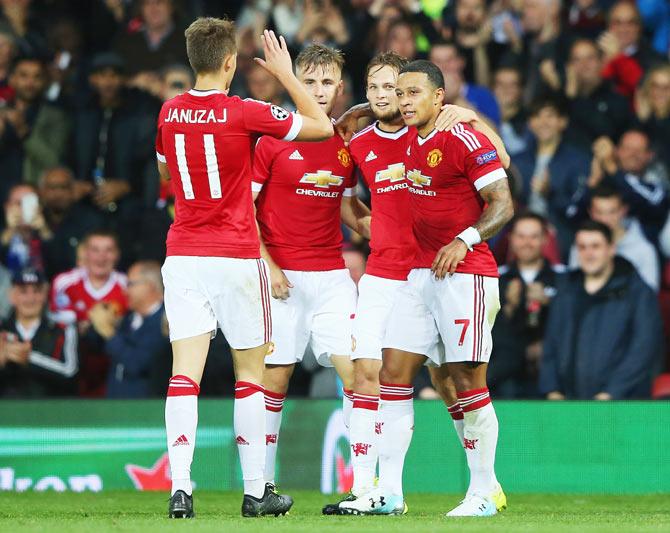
(114, 150)
(157, 43)
(527, 285)
(7, 53)
(552, 169)
(456, 91)
(5, 286)
(604, 331)
(401, 39)
(67, 220)
(76, 293)
(136, 343)
(67, 69)
(472, 34)
(629, 168)
(653, 110)
(264, 86)
(537, 50)
(25, 24)
(322, 22)
(38, 358)
(25, 229)
(595, 108)
(585, 19)
(624, 38)
(608, 208)
(34, 134)
(176, 79)
(508, 89)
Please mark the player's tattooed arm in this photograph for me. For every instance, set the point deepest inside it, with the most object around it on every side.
(499, 209)
(496, 214)
(453, 114)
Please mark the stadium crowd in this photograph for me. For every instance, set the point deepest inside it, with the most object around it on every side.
(579, 91)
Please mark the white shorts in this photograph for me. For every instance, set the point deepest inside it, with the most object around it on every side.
(457, 312)
(375, 301)
(203, 291)
(318, 311)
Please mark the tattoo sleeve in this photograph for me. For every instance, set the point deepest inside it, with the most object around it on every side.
(499, 209)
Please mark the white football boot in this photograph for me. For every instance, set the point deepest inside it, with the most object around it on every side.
(374, 502)
(474, 505)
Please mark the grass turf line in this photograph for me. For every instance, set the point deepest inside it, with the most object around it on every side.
(220, 511)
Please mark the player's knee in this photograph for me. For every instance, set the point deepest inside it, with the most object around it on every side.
(467, 376)
(391, 373)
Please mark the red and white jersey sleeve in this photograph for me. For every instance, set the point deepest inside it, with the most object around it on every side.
(263, 154)
(269, 119)
(446, 171)
(479, 157)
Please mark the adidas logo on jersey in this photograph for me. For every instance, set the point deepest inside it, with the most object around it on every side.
(295, 156)
(181, 441)
(370, 156)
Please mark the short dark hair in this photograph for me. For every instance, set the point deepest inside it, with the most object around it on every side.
(429, 69)
(529, 215)
(386, 59)
(28, 59)
(101, 233)
(555, 103)
(606, 191)
(319, 55)
(592, 225)
(208, 41)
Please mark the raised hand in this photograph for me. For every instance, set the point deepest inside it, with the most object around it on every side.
(277, 58)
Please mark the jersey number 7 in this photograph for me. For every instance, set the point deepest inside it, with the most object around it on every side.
(210, 159)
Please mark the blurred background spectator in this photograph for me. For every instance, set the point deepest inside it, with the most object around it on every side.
(603, 334)
(137, 342)
(527, 285)
(578, 89)
(38, 357)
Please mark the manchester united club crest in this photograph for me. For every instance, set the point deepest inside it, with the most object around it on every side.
(344, 157)
(434, 158)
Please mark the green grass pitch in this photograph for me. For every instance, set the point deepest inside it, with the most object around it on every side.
(220, 511)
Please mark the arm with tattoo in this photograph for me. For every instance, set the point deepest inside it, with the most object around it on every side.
(499, 209)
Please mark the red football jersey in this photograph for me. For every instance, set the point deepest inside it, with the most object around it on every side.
(380, 156)
(446, 170)
(301, 186)
(207, 138)
(72, 295)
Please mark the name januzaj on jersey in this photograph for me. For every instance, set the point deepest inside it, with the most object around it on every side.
(195, 116)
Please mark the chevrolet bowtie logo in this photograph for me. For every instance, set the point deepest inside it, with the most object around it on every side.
(392, 173)
(418, 179)
(322, 179)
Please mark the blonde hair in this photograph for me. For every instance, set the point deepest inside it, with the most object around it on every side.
(319, 55)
